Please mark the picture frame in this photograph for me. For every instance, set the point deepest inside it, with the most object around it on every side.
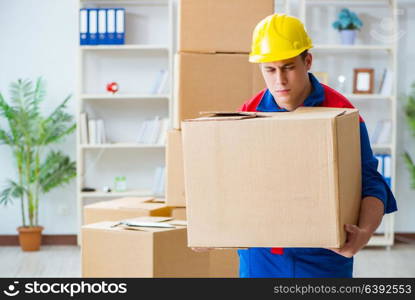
(363, 81)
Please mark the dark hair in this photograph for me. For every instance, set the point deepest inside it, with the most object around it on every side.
(304, 54)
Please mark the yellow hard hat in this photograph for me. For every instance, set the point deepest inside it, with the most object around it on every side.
(278, 37)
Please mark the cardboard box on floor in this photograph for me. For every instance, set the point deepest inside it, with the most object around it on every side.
(292, 179)
(109, 251)
(178, 213)
(220, 26)
(224, 263)
(207, 82)
(124, 208)
(175, 196)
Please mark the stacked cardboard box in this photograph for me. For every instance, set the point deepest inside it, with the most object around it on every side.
(179, 213)
(289, 179)
(212, 69)
(111, 250)
(124, 208)
(212, 72)
(175, 196)
(212, 26)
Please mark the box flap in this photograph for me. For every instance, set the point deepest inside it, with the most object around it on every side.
(326, 112)
(301, 113)
(157, 200)
(221, 118)
(227, 115)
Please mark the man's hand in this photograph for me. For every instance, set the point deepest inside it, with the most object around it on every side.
(201, 249)
(371, 213)
(356, 239)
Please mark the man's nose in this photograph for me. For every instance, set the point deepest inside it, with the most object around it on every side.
(280, 78)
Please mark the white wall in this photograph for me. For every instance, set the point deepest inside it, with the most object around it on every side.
(40, 38)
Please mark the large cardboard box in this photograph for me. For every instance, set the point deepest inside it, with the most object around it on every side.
(124, 208)
(175, 195)
(291, 179)
(207, 82)
(114, 251)
(220, 26)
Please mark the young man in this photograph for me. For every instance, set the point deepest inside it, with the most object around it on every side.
(280, 45)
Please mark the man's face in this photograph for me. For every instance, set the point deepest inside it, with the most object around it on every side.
(288, 81)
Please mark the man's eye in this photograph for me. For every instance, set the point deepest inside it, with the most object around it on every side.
(270, 70)
(289, 68)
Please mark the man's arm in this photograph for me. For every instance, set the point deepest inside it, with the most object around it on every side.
(371, 213)
(377, 199)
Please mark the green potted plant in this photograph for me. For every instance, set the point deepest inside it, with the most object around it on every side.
(28, 133)
(347, 24)
(410, 114)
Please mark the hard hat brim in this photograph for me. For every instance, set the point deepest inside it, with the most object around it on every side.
(274, 57)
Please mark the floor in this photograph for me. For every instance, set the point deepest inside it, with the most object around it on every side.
(64, 261)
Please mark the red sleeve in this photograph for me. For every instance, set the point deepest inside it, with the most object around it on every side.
(334, 99)
(243, 107)
(252, 104)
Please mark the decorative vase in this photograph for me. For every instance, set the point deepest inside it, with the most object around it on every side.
(30, 238)
(347, 36)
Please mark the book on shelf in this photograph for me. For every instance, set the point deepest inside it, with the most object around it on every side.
(164, 127)
(92, 37)
(384, 167)
(153, 131)
(83, 123)
(382, 132)
(160, 84)
(83, 26)
(101, 132)
(386, 83)
(159, 182)
(92, 131)
(387, 172)
(102, 26)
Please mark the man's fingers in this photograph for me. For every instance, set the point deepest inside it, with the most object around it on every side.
(337, 250)
(351, 228)
(346, 250)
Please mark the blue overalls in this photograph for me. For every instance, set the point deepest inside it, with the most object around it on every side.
(315, 262)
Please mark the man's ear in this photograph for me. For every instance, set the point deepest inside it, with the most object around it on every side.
(308, 61)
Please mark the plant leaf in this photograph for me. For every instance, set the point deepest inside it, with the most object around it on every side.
(56, 170)
(12, 191)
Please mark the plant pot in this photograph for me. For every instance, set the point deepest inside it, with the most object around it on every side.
(30, 238)
(348, 36)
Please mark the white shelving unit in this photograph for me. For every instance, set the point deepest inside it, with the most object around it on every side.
(134, 66)
(354, 48)
(325, 47)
